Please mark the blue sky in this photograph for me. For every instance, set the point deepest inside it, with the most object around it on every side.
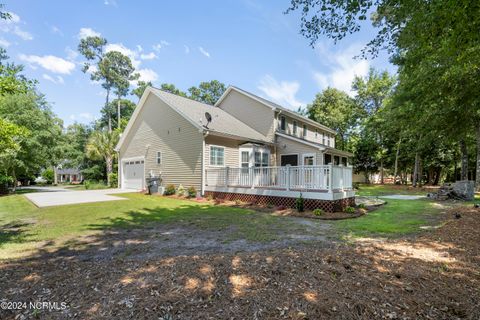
(247, 43)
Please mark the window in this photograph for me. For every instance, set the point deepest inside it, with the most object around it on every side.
(159, 157)
(336, 160)
(283, 123)
(316, 133)
(328, 159)
(304, 131)
(264, 159)
(323, 138)
(295, 127)
(217, 156)
(328, 140)
(289, 159)
(245, 160)
(258, 159)
(344, 161)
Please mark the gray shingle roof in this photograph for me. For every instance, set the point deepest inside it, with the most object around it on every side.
(222, 122)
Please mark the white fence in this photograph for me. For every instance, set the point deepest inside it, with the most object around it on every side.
(327, 177)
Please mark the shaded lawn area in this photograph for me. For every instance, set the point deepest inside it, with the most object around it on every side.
(397, 217)
(24, 228)
(389, 189)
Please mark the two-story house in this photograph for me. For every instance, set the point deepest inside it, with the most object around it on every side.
(245, 147)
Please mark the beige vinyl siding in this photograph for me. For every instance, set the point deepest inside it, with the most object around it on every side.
(253, 113)
(230, 151)
(159, 128)
(287, 146)
(310, 131)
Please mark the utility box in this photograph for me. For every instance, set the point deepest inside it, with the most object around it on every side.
(153, 184)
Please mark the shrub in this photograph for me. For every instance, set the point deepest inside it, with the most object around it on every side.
(181, 191)
(362, 206)
(300, 203)
(169, 190)
(94, 184)
(113, 180)
(350, 210)
(318, 212)
(356, 185)
(238, 202)
(192, 192)
(209, 197)
(48, 175)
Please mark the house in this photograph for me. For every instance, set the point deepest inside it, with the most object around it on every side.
(244, 147)
(70, 175)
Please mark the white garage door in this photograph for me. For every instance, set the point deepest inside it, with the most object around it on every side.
(133, 174)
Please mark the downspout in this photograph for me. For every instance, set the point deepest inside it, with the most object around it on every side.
(205, 134)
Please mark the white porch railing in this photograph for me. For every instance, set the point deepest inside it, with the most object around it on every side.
(321, 178)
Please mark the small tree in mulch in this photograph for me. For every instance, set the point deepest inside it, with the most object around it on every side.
(300, 203)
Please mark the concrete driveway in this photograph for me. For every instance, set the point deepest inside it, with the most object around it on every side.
(55, 196)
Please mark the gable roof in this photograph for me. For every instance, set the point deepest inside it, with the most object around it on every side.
(274, 106)
(223, 124)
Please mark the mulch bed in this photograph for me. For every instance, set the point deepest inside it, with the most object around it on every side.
(433, 276)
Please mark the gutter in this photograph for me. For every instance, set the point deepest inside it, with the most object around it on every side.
(202, 190)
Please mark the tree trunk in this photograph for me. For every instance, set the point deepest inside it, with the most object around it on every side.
(477, 173)
(367, 180)
(118, 113)
(109, 162)
(415, 170)
(438, 174)
(420, 171)
(381, 172)
(108, 111)
(15, 181)
(55, 178)
(395, 173)
(464, 160)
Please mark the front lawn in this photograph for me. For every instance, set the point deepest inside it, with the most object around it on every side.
(25, 229)
(389, 189)
(395, 218)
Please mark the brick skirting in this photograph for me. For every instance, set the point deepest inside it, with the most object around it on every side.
(310, 204)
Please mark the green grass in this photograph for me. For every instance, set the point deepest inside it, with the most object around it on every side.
(397, 217)
(25, 229)
(383, 190)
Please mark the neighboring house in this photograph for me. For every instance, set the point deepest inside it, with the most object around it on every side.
(69, 175)
(251, 150)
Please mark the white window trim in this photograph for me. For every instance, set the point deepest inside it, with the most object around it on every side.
(251, 155)
(304, 155)
(210, 156)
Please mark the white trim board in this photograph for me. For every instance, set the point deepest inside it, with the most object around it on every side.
(336, 195)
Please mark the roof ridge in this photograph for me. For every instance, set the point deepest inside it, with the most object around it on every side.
(177, 95)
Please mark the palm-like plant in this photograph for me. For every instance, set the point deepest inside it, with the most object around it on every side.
(101, 145)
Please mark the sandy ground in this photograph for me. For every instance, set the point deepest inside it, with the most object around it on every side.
(156, 273)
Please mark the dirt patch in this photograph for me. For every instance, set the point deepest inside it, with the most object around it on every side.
(433, 276)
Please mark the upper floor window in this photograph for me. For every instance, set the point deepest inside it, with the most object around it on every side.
(283, 123)
(316, 133)
(328, 140)
(217, 156)
(304, 131)
(294, 127)
(159, 157)
(323, 139)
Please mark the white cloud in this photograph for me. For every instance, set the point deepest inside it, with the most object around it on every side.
(84, 117)
(148, 56)
(71, 54)
(204, 52)
(139, 48)
(341, 68)
(56, 79)
(132, 54)
(282, 92)
(4, 43)
(157, 47)
(50, 63)
(187, 49)
(88, 32)
(110, 3)
(147, 75)
(56, 30)
(12, 26)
